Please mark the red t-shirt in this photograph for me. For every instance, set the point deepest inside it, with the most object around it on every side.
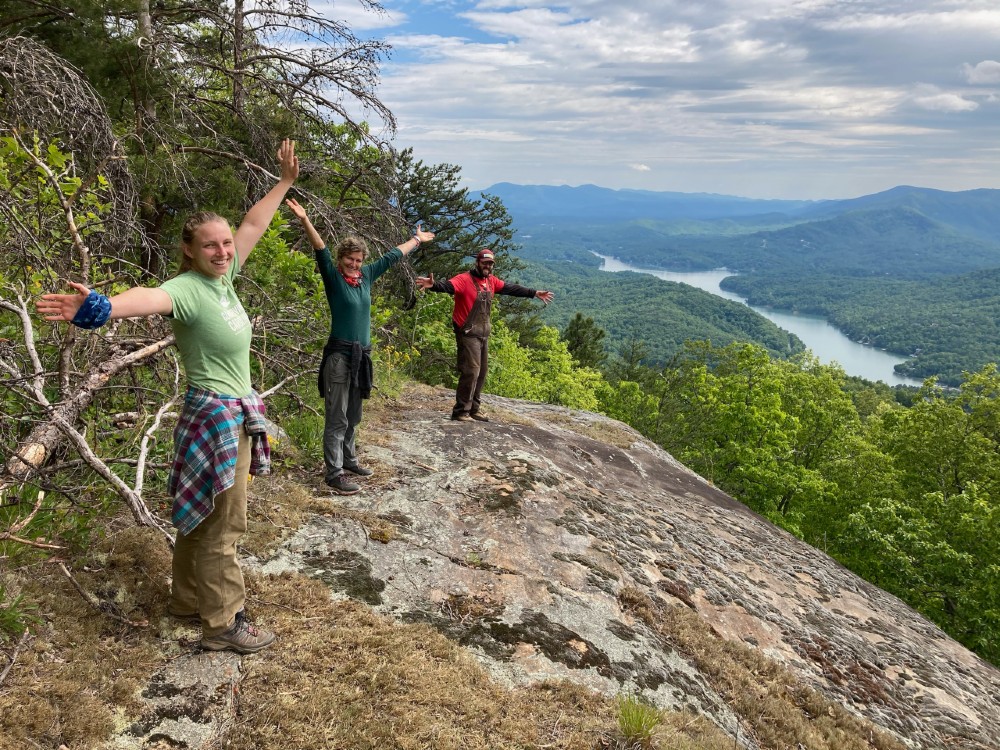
(467, 288)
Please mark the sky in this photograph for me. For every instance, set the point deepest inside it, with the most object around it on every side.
(795, 99)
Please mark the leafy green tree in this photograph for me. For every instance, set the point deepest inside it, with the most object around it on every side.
(630, 363)
(585, 341)
(463, 224)
(628, 402)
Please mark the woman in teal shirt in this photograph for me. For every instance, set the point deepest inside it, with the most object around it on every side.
(345, 375)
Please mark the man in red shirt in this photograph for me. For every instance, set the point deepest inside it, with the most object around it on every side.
(473, 292)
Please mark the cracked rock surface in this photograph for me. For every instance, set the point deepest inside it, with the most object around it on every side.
(514, 537)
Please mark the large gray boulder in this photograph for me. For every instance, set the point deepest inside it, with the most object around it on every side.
(519, 536)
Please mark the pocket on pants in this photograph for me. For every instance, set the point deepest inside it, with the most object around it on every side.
(338, 369)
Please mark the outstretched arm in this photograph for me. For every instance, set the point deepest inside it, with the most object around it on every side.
(300, 213)
(428, 284)
(419, 236)
(516, 290)
(258, 218)
(137, 302)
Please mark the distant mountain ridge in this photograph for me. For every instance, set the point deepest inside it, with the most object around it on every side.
(972, 212)
(975, 213)
(894, 268)
(529, 202)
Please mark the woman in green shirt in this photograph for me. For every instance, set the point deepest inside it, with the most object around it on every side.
(219, 436)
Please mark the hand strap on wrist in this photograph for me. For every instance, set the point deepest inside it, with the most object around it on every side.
(94, 312)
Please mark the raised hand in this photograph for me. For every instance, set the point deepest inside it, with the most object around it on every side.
(425, 282)
(293, 205)
(423, 235)
(288, 161)
(62, 306)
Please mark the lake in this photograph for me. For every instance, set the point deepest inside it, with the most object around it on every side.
(826, 342)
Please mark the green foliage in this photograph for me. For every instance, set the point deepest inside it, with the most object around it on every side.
(16, 615)
(585, 341)
(544, 372)
(305, 430)
(637, 720)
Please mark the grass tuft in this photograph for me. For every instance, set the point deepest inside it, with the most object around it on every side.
(637, 721)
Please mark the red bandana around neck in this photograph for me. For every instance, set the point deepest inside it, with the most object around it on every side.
(351, 280)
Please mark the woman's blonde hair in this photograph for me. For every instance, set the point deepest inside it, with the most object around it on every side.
(193, 223)
(350, 245)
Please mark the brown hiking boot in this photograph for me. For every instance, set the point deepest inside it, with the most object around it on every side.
(480, 417)
(242, 637)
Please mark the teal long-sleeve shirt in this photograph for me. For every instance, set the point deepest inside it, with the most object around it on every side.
(351, 306)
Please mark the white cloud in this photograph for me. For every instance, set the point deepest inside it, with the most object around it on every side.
(944, 102)
(357, 17)
(767, 91)
(987, 71)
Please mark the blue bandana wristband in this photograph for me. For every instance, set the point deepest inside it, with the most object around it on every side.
(94, 312)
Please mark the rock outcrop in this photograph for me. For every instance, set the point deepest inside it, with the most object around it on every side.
(518, 537)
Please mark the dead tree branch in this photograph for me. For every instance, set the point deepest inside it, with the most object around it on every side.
(104, 607)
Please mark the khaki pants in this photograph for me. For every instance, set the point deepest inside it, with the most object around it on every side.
(206, 572)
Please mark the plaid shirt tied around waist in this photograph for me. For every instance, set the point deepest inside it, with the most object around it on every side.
(206, 442)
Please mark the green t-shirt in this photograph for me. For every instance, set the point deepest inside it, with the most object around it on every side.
(213, 331)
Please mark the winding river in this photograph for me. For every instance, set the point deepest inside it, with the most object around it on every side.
(825, 341)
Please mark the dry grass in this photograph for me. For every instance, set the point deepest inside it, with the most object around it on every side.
(82, 668)
(778, 710)
(344, 677)
(604, 431)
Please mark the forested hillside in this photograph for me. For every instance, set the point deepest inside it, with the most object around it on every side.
(661, 314)
(909, 270)
(948, 326)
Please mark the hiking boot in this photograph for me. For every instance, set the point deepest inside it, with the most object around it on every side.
(361, 471)
(480, 417)
(342, 485)
(242, 637)
(463, 418)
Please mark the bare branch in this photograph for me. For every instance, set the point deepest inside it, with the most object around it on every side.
(38, 372)
(35, 450)
(105, 607)
(140, 511)
(274, 389)
(140, 472)
(17, 650)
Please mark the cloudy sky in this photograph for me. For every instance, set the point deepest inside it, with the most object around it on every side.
(758, 98)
